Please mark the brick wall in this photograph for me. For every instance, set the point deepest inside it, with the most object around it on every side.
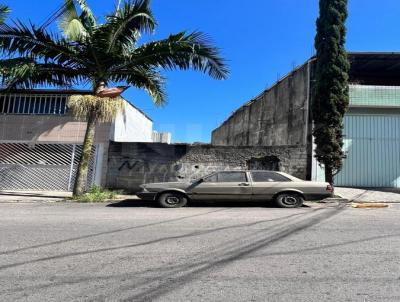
(132, 164)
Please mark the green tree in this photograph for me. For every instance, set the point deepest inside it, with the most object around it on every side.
(4, 11)
(99, 55)
(331, 97)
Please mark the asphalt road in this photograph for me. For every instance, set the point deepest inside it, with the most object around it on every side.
(83, 252)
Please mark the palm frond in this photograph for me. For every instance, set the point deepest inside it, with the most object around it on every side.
(37, 42)
(125, 26)
(143, 78)
(4, 11)
(181, 51)
(105, 109)
(87, 17)
(73, 24)
(27, 73)
(70, 24)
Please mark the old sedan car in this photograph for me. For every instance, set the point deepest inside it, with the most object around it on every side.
(287, 191)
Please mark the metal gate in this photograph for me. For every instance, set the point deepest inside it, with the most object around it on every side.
(50, 167)
(372, 148)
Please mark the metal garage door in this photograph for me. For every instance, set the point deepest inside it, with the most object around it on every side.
(372, 145)
(40, 167)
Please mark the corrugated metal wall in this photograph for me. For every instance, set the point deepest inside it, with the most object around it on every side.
(372, 146)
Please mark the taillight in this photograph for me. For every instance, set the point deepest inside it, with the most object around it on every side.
(329, 188)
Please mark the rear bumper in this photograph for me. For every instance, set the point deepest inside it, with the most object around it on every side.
(313, 197)
(146, 195)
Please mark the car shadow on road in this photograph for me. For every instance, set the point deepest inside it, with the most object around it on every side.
(137, 203)
(133, 203)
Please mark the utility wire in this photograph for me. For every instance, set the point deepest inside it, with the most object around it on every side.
(54, 16)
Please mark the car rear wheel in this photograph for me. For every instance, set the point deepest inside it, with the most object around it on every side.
(172, 200)
(289, 200)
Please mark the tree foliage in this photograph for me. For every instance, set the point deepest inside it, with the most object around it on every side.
(331, 97)
(4, 11)
(100, 54)
(105, 108)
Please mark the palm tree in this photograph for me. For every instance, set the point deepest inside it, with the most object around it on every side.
(4, 11)
(101, 54)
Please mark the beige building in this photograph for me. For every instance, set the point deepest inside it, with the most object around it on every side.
(40, 142)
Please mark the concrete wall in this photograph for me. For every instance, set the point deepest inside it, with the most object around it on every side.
(277, 117)
(132, 126)
(48, 128)
(132, 164)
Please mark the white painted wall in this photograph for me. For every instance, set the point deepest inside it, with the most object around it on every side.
(132, 126)
(162, 137)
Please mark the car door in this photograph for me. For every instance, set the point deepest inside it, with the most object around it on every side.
(266, 184)
(229, 185)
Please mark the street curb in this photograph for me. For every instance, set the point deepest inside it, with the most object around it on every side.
(345, 200)
(370, 205)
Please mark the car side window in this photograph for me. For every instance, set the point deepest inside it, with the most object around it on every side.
(212, 178)
(232, 177)
(261, 176)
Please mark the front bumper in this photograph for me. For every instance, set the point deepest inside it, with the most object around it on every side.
(146, 195)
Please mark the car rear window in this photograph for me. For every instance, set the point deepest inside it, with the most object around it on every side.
(261, 176)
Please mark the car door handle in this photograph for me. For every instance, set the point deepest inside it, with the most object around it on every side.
(243, 184)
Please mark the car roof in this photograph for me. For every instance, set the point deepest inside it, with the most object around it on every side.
(247, 171)
(279, 172)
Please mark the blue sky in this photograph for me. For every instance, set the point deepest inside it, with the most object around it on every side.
(261, 42)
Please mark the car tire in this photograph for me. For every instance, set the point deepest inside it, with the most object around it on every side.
(172, 200)
(289, 200)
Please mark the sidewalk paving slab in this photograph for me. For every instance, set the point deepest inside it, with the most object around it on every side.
(384, 195)
(34, 196)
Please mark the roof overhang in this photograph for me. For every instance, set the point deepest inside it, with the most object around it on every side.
(375, 68)
(46, 91)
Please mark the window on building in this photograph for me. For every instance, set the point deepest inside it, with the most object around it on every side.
(263, 176)
(13, 103)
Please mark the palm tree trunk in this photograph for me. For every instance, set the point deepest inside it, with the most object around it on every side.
(82, 175)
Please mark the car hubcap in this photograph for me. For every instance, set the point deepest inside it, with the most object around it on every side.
(289, 200)
(172, 200)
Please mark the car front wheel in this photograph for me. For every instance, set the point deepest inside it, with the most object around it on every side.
(289, 200)
(172, 200)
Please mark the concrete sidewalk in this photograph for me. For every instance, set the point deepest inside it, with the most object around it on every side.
(33, 196)
(44, 196)
(383, 195)
(358, 195)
